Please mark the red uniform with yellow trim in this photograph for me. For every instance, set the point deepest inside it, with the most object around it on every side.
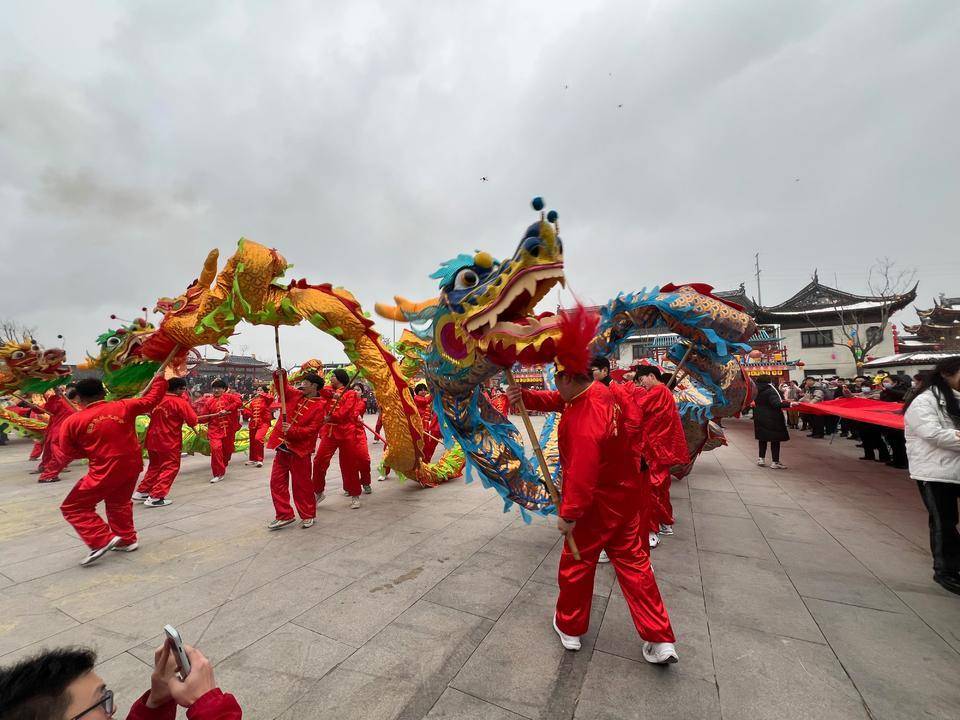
(606, 498)
(259, 412)
(431, 425)
(52, 461)
(105, 433)
(164, 442)
(291, 463)
(221, 429)
(338, 434)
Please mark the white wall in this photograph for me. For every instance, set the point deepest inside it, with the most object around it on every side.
(828, 358)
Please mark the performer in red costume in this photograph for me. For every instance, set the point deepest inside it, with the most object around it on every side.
(164, 443)
(223, 407)
(338, 434)
(294, 442)
(431, 425)
(58, 409)
(259, 411)
(603, 502)
(662, 445)
(105, 433)
(360, 450)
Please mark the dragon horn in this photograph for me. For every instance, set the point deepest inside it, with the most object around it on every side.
(209, 269)
(404, 308)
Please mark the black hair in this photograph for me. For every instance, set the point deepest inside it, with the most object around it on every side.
(312, 377)
(420, 386)
(935, 381)
(218, 383)
(341, 375)
(649, 370)
(176, 384)
(264, 388)
(598, 362)
(71, 392)
(90, 389)
(36, 687)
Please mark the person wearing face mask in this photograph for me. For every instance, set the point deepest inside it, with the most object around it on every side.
(932, 428)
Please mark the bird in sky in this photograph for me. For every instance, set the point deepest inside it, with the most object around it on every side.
(483, 179)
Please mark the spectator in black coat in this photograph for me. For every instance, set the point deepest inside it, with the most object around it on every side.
(769, 423)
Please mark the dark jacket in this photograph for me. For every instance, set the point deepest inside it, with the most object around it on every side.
(769, 422)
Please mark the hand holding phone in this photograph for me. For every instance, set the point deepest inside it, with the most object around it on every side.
(179, 653)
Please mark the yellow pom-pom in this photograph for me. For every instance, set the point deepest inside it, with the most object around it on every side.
(483, 260)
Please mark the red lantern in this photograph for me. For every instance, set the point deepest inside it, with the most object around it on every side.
(756, 354)
(870, 358)
(800, 363)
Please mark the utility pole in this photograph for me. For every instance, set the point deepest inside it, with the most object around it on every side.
(756, 259)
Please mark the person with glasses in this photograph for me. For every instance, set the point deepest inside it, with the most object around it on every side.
(63, 685)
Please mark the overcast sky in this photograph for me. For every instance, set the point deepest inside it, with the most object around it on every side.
(675, 139)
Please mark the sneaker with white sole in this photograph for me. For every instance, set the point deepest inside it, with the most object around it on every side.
(570, 642)
(761, 462)
(666, 529)
(604, 558)
(355, 503)
(381, 478)
(140, 496)
(156, 502)
(778, 466)
(367, 489)
(277, 524)
(95, 555)
(126, 548)
(216, 479)
(250, 463)
(259, 464)
(346, 494)
(654, 540)
(663, 653)
(320, 497)
(308, 523)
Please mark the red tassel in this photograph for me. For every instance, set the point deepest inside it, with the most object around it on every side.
(578, 327)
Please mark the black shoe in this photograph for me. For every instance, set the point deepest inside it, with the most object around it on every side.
(950, 583)
(859, 445)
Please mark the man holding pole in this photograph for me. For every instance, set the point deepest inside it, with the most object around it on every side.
(338, 434)
(602, 506)
(223, 409)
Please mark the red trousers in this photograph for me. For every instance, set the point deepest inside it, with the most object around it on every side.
(162, 471)
(53, 462)
(348, 465)
(221, 449)
(661, 510)
(79, 508)
(429, 446)
(620, 528)
(362, 454)
(37, 450)
(257, 435)
(292, 470)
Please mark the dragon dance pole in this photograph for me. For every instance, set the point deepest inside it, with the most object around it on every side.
(547, 480)
(283, 378)
(676, 371)
(161, 369)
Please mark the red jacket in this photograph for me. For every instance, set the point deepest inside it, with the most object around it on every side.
(662, 442)
(221, 426)
(427, 416)
(214, 705)
(305, 416)
(259, 411)
(59, 410)
(105, 432)
(166, 423)
(340, 408)
(592, 455)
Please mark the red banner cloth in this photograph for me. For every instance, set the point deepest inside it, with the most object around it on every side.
(875, 412)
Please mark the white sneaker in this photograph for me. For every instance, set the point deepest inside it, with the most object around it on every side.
(156, 502)
(346, 494)
(666, 529)
(355, 504)
(250, 463)
(140, 496)
(604, 558)
(381, 478)
(660, 653)
(654, 540)
(307, 523)
(95, 555)
(259, 464)
(570, 642)
(367, 489)
(216, 479)
(761, 462)
(778, 466)
(126, 548)
(320, 497)
(277, 524)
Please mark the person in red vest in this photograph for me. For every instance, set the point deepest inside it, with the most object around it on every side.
(58, 409)
(338, 433)
(259, 412)
(602, 505)
(164, 442)
(222, 409)
(105, 433)
(294, 442)
(431, 426)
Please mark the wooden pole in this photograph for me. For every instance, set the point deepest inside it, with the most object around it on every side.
(676, 371)
(542, 461)
(161, 369)
(283, 377)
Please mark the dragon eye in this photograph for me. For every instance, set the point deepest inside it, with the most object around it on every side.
(465, 280)
(112, 342)
(18, 355)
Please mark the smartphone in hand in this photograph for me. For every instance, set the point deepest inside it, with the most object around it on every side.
(176, 647)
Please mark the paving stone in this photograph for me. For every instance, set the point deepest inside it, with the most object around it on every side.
(753, 593)
(777, 523)
(900, 666)
(713, 502)
(501, 671)
(620, 689)
(937, 608)
(455, 705)
(363, 556)
(128, 677)
(766, 496)
(735, 536)
(485, 584)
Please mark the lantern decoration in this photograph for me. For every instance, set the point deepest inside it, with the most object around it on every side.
(800, 363)
(870, 358)
(756, 354)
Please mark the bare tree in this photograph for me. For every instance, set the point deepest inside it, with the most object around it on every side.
(13, 331)
(859, 337)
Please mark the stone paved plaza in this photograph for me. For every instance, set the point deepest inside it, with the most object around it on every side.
(803, 593)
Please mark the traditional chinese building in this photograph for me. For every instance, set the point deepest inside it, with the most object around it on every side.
(241, 372)
(935, 337)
